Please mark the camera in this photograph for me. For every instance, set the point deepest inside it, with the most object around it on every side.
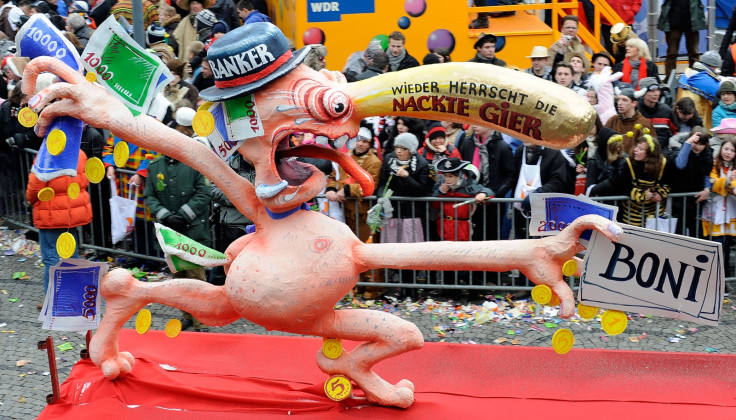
(568, 37)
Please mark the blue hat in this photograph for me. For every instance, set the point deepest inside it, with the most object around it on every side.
(247, 58)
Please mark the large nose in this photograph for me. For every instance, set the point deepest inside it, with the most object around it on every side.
(516, 103)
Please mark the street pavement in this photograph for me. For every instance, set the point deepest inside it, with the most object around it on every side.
(25, 382)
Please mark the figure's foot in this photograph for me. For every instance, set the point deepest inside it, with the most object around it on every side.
(376, 390)
(120, 365)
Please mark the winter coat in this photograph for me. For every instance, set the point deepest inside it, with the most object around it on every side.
(83, 34)
(500, 161)
(62, 211)
(417, 184)
(173, 187)
(553, 171)
(697, 16)
(184, 34)
(623, 125)
(662, 119)
(229, 215)
(460, 216)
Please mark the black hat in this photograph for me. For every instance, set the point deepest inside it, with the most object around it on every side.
(450, 165)
(603, 54)
(483, 38)
(436, 130)
(236, 73)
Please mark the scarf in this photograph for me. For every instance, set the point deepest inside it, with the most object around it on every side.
(730, 108)
(480, 59)
(394, 62)
(480, 158)
(636, 71)
(395, 164)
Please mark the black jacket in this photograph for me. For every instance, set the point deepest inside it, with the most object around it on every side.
(407, 63)
(554, 172)
(417, 184)
(500, 162)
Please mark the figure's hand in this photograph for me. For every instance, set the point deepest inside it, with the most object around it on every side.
(176, 222)
(76, 97)
(550, 253)
(702, 195)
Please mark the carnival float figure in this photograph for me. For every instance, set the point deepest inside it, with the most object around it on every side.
(289, 274)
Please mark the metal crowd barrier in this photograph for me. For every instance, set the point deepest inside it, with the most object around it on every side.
(496, 219)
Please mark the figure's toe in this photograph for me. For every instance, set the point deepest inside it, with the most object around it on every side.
(406, 384)
(118, 366)
(117, 282)
(392, 395)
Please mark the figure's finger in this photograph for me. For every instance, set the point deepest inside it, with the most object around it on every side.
(567, 298)
(51, 110)
(590, 221)
(48, 64)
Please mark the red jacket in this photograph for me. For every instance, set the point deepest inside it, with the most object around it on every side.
(61, 211)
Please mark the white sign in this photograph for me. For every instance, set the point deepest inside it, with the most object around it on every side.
(655, 273)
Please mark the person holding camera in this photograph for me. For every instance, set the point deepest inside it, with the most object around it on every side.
(569, 41)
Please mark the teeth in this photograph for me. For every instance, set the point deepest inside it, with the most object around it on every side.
(268, 191)
(351, 143)
(340, 141)
(322, 140)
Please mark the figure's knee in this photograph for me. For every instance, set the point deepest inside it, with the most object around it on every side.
(410, 337)
(117, 282)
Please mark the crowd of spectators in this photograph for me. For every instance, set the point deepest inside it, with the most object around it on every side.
(642, 146)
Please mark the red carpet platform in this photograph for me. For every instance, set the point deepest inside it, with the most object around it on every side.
(223, 376)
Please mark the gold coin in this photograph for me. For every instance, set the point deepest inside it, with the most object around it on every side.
(569, 268)
(172, 328)
(91, 77)
(332, 347)
(46, 194)
(73, 190)
(120, 154)
(554, 301)
(562, 341)
(542, 294)
(614, 322)
(56, 142)
(94, 170)
(203, 123)
(205, 106)
(143, 321)
(338, 387)
(587, 312)
(65, 245)
(27, 118)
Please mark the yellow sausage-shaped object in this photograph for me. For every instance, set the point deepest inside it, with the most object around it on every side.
(513, 102)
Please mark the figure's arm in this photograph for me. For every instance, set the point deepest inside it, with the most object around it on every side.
(97, 107)
(540, 260)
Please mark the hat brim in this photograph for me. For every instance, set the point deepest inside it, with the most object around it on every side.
(724, 130)
(215, 94)
(485, 38)
(206, 4)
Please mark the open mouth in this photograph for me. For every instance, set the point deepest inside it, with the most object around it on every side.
(298, 166)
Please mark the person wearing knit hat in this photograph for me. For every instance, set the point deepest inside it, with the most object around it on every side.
(407, 141)
(406, 173)
(437, 146)
(659, 114)
(727, 105)
(711, 59)
(205, 20)
(156, 41)
(359, 61)
(701, 82)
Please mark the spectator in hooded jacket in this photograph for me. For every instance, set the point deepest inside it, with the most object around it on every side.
(249, 13)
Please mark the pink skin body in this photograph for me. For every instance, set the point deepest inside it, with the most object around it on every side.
(290, 273)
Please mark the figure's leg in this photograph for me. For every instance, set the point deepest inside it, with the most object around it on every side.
(384, 336)
(124, 296)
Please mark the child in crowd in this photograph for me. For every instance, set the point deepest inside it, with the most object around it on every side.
(644, 178)
(455, 180)
(719, 215)
(727, 105)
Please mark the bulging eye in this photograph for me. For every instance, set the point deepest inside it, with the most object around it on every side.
(336, 103)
